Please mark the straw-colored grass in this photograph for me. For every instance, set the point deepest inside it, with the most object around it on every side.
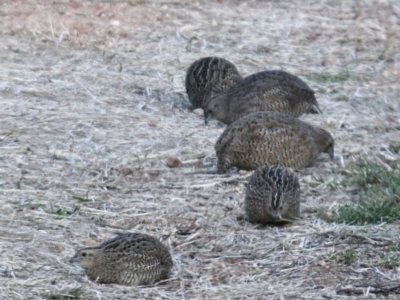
(92, 105)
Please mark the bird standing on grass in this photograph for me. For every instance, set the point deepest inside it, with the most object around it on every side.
(128, 259)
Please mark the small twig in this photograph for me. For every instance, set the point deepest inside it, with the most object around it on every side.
(370, 241)
(364, 239)
(385, 165)
(87, 90)
(6, 136)
(51, 27)
(361, 290)
(382, 274)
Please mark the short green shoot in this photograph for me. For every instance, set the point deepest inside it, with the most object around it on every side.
(378, 195)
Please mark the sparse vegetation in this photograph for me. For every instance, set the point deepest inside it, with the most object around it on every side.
(63, 213)
(395, 148)
(32, 206)
(367, 212)
(189, 43)
(346, 256)
(81, 198)
(378, 196)
(391, 258)
(72, 294)
(17, 51)
(328, 77)
(390, 261)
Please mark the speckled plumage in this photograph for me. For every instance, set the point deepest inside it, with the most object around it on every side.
(128, 259)
(265, 91)
(271, 138)
(207, 77)
(272, 195)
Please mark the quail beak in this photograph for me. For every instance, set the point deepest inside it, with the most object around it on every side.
(285, 220)
(276, 217)
(74, 259)
(316, 110)
(331, 152)
(206, 119)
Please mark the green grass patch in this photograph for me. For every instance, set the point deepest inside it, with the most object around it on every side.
(75, 293)
(84, 198)
(377, 181)
(371, 212)
(336, 91)
(346, 256)
(18, 51)
(328, 77)
(395, 148)
(390, 261)
(189, 43)
(332, 183)
(378, 192)
(391, 258)
(62, 213)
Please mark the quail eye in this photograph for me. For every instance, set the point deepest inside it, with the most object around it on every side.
(209, 111)
(84, 254)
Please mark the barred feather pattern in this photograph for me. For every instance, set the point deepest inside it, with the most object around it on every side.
(272, 195)
(209, 76)
(273, 90)
(271, 138)
(128, 259)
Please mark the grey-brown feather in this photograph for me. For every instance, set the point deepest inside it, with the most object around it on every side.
(209, 76)
(265, 91)
(271, 138)
(129, 259)
(260, 205)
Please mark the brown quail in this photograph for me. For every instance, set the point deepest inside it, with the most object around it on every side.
(265, 91)
(207, 77)
(128, 259)
(271, 138)
(272, 195)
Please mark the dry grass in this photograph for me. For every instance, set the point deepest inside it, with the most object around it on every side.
(92, 104)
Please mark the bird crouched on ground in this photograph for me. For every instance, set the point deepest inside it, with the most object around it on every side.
(274, 90)
(272, 195)
(128, 259)
(271, 138)
(209, 76)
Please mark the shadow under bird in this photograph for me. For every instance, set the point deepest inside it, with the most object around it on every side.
(271, 138)
(274, 90)
(209, 76)
(272, 195)
(128, 259)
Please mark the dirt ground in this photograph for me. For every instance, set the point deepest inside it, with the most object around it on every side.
(92, 105)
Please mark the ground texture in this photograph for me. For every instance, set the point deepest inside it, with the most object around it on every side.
(92, 107)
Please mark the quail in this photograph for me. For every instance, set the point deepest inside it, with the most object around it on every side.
(272, 195)
(209, 76)
(128, 259)
(264, 91)
(271, 138)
